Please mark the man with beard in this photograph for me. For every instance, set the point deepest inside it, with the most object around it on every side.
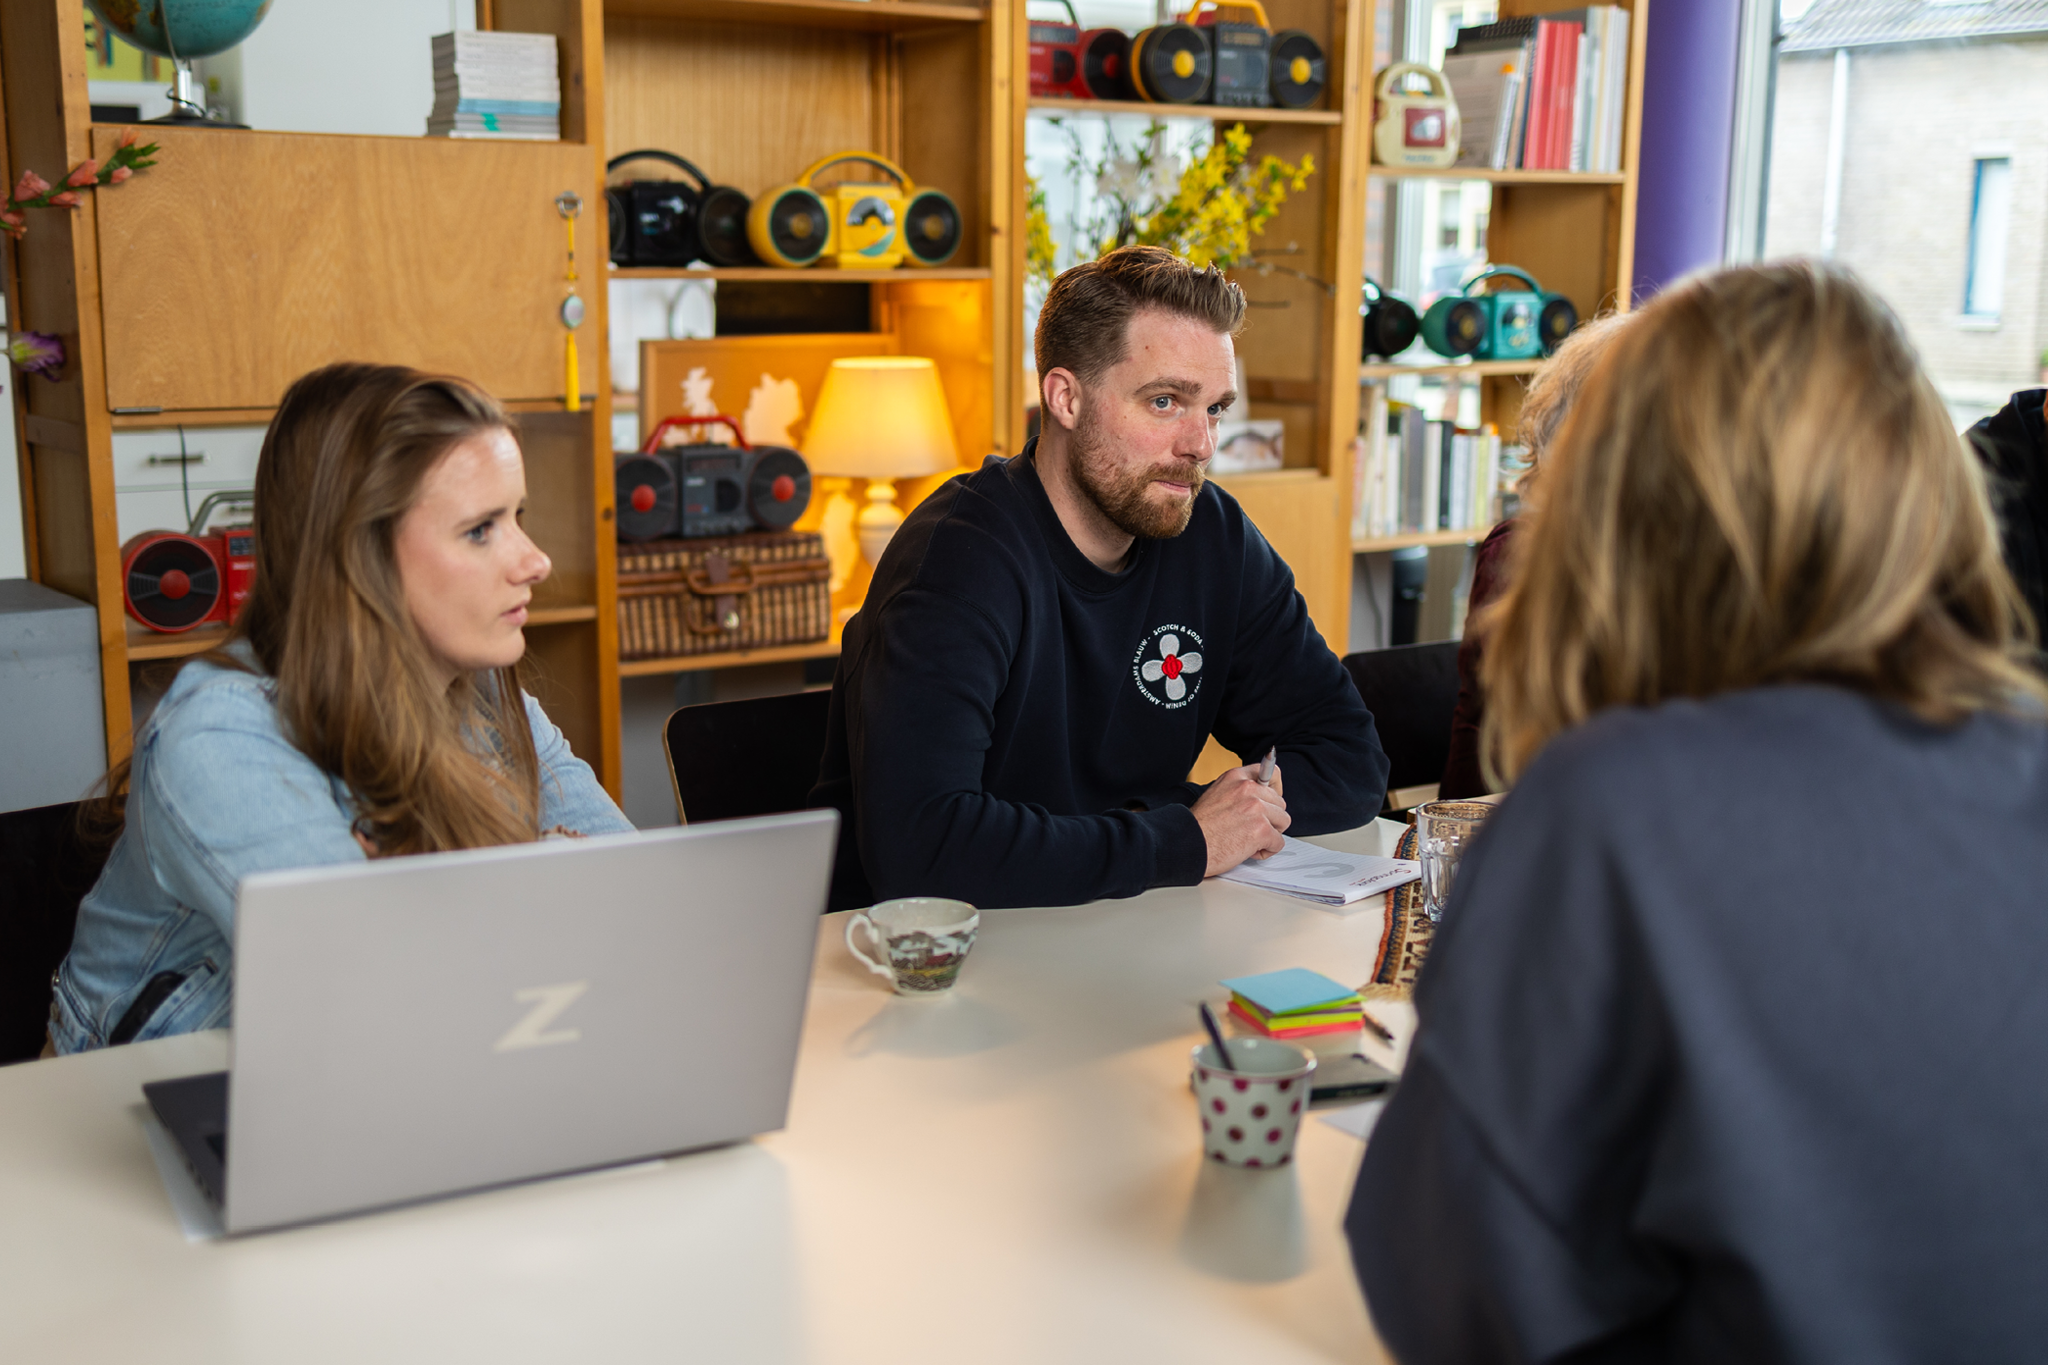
(1049, 641)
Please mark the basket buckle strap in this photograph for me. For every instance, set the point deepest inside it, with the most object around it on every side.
(718, 581)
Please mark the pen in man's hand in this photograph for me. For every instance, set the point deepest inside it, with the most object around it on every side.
(1266, 766)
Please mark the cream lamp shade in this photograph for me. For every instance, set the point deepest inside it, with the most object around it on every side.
(879, 418)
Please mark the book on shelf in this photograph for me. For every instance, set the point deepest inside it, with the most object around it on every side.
(1416, 474)
(496, 85)
(1543, 92)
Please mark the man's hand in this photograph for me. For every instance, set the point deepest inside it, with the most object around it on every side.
(1240, 818)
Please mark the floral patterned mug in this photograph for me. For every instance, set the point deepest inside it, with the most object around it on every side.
(922, 941)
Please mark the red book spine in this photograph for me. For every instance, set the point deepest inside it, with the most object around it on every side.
(1565, 94)
(1536, 136)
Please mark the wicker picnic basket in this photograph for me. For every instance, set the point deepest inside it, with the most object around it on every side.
(718, 593)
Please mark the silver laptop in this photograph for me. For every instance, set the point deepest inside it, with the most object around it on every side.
(417, 1026)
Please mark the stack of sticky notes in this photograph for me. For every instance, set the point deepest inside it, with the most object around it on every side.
(1295, 1003)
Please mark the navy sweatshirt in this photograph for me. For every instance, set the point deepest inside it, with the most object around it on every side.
(1011, 725)
(1732, 1049)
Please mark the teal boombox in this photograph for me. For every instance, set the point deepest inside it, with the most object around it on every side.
(1507, 324)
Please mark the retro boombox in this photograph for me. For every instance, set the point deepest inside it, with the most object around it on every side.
(1075, 63)
(1227, 54)
(708, 490)
(1390, 325)
(858, 224)
(671, 222)
(174, 582)
(1507, 324)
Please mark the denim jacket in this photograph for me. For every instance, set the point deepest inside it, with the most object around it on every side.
(217, 792)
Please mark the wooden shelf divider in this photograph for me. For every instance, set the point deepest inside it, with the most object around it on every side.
(868, 16)
(1463, 369)
(732, 658)
(802, 275)
(1216, 113)
(1601, 179)
(1408, 540)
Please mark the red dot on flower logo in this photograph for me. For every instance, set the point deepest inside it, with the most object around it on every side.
(1171, 667)
(1258, 1111)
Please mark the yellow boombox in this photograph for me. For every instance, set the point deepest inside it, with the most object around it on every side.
(859, 225)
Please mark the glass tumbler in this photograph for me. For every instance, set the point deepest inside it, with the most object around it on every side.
(1443, 830)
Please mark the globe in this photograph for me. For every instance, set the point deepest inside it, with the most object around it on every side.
(181, 28)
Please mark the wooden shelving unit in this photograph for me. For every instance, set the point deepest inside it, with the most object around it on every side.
(196, 293)
(1572, 230)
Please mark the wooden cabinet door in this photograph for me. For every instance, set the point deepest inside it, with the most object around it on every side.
(242, 260)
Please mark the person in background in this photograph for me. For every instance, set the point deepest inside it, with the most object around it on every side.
(1544, 407)
(366, 703)
(1049, 641)
(2013, 443)
(1731, 1038)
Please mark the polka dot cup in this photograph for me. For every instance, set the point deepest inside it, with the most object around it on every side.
(1250, 1116)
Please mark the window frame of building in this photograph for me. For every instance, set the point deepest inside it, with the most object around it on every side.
(1990, 239)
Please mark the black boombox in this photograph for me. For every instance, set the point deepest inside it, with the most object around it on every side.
(671, 222)
(1228, 54)
(708, 490)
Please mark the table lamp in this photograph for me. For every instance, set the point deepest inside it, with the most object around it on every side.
(880, 418)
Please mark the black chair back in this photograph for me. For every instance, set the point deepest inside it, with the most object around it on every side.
(1411, 691)
(45, 870)
(756, 757)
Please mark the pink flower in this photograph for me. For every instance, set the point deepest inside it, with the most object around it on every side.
(30, 185)
(36, 352)
(83, 174)
(67, 200)
(14, 218)
(119, 174)
(127, 139)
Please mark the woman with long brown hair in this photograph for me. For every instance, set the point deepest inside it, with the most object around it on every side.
(1731, 1041)
(366, 703)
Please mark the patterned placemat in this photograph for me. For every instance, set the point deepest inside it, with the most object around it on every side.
(1404, 943)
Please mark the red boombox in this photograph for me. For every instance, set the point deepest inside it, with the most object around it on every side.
(172, 582)
(1072, 64)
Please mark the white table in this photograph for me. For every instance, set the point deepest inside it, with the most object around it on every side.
(1009, 1175)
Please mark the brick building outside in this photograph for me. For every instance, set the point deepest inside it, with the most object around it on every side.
(1909, 140)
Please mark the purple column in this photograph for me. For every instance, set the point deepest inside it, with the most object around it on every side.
(1688, 124)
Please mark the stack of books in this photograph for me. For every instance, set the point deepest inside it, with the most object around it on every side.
(1542, 93)
(1296, 1003)
(496, 85)
(1415, 474)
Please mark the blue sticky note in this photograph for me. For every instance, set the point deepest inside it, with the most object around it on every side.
(1296, 988)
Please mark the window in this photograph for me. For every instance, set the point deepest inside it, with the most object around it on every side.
(1990, 218)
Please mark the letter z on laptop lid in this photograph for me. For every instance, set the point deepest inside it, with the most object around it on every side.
(417, 1026)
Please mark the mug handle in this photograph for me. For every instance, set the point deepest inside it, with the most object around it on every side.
(857, 919)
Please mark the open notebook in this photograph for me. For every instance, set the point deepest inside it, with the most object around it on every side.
(1323, 875)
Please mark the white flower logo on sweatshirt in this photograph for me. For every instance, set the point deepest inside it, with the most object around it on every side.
(1174, 670)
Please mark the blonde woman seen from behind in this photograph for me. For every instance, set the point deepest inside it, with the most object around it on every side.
(1730, 1038)
(366, 704)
